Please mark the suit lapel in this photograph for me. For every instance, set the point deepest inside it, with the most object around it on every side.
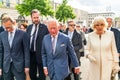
(111, 29)
(50, 42)
(39, 31)
(6, 38)
(30, 29)
(57, 44)
(74, 33)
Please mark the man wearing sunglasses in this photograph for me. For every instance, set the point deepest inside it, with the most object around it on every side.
(76, 40)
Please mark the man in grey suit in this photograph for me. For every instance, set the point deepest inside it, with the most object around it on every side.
(54, 53)
(14, 51)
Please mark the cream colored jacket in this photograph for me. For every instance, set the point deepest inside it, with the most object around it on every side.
(103, 49)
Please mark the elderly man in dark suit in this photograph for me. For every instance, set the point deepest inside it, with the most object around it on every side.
(36, 32)
(117, 36)
(54, 53)
(14, 51)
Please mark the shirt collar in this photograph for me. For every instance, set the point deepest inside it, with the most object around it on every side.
(55, 36)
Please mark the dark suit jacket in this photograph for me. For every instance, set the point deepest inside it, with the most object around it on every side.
(1, 29)
(19, 52)
(77, 42)
(117, 38)
(42, 31)
(57, 63)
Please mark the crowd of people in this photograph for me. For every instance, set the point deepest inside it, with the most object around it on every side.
(35, 51)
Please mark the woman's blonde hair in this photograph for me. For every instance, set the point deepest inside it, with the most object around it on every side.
(99, 20)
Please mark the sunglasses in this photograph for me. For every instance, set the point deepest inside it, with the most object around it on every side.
(71, 24)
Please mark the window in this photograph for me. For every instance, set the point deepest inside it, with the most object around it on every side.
(8, 3)
(18, 1)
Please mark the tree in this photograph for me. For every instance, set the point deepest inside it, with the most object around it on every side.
(28, 5)
(64, 12)
(1, 5)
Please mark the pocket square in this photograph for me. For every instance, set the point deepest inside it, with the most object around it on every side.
(62, 45)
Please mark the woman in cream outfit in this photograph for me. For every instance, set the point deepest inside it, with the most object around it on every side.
(101, 51)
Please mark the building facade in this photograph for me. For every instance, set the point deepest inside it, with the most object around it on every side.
(81, 17)
(91, 16)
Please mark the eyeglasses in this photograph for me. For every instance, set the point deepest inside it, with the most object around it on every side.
(99, 24)
(71, 24)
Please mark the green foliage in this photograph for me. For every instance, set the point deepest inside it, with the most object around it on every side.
(42, 5)
(64, 12)
(1, 4)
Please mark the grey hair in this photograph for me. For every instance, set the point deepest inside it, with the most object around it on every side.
(97, 20)
(53, 20)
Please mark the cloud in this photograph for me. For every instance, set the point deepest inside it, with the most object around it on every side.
(89, 2)
(95, 5)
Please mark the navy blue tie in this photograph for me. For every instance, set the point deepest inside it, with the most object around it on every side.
(33, 40)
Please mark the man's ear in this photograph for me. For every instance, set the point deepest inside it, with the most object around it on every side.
(58, 27)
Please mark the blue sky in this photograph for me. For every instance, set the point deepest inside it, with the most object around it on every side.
(95, 5)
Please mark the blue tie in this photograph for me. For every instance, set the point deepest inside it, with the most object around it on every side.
(33, 40)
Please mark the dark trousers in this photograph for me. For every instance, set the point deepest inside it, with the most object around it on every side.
(119, 71)
(68, 77)
(14, 73)
(1, 77)
(76, 76)
(34, 67)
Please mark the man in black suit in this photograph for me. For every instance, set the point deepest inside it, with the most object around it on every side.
(76, 39)
(14, 51)
(36, 32)
(117, 37)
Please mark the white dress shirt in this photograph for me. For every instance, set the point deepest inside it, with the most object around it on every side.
(32, 32)
(70, 35)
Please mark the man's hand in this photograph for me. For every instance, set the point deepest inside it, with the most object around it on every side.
(0, 72)
(46, 71)
(26, 70)
(77, 70)
(119, 54)
(27, 74)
